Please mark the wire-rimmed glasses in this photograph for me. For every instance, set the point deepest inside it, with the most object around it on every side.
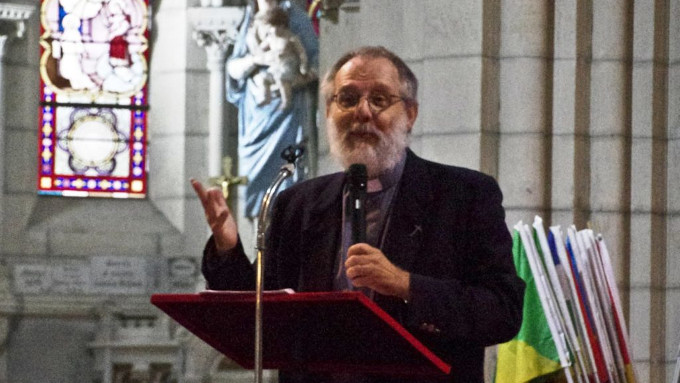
(377, 101)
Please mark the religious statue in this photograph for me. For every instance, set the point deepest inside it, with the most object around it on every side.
(267, 77)
(285, 59)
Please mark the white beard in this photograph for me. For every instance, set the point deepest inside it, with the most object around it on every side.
(378, 158)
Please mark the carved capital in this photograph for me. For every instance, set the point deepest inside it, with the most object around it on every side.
(214, 39)
(331, 8)
(222, 3)
(14, 15)
(215, 25)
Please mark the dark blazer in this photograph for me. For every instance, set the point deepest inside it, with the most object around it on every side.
(447, 229)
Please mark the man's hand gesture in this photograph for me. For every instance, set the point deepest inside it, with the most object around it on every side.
(217, 213)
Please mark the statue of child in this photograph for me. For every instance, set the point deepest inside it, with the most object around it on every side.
(280, 55)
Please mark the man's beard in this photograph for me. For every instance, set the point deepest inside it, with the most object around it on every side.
(357, 146)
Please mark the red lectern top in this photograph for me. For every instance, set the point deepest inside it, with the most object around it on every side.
(318, 332)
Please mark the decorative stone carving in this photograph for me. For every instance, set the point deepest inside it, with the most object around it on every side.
(16, 14)
(222, 3)
(215, 29)
(330, 8)
(134, 347)
(12, 24)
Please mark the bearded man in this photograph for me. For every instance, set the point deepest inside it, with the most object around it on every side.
(437, 255)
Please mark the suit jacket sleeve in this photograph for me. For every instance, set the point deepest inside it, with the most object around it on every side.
(229, 270)
(471, 293)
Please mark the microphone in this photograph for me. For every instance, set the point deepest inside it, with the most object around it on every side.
(356, 183)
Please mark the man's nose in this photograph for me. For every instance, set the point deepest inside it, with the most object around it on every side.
(363, 111)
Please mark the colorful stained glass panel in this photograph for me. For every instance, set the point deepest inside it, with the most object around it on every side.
(93, 71)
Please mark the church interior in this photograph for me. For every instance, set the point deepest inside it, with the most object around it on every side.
(572, 106)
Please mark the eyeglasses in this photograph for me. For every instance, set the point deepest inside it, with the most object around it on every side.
(377, 102)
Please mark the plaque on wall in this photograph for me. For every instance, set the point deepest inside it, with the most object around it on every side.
(107, 275)
(119, 275)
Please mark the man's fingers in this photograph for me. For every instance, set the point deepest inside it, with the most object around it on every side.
(361, 276)
(215, 203)
(222, 217)
(360, 248)
(214, 206)
(200, 191)
(215, 197)
(362, 259)
(357, 271)
(361, 282)
(212, 195)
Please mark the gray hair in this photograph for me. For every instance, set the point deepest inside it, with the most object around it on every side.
(409, 82)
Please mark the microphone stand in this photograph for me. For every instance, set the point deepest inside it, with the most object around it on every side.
(291, 154)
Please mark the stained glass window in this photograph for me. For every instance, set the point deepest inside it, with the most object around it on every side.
(93, 78)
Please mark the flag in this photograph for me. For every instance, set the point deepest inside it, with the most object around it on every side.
(601, 373)
(615, 301)
(584, 355)
(532, 352)
(602, 297)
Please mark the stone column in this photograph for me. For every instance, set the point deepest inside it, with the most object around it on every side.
(215, 26)
(12, 18)
(215, 29)
(3, 41)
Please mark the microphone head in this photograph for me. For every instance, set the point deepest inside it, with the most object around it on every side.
(357, 176)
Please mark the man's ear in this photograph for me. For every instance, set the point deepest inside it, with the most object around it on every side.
(411, 113)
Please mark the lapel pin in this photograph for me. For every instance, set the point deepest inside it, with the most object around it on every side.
(418, 229)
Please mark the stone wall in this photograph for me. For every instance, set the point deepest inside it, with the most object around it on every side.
(573, 107)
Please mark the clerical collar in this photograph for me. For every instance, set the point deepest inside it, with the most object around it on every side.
(387, 179)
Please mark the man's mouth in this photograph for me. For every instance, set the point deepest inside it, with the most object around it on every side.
(362, 137)
(363, 134)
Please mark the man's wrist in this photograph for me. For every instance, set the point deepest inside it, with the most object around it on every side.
(223, 248)
(405, 286)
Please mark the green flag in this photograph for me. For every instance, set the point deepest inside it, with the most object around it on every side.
(532, 353)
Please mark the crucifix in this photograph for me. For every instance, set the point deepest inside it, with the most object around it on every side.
(227, 180)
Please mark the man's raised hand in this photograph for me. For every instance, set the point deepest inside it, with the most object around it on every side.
(218, 216)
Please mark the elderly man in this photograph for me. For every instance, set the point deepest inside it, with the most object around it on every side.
(437, 255)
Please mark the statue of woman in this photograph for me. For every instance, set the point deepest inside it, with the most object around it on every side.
(268, 126)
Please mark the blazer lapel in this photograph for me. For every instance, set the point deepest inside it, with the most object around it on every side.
(321, 234)
(405, 232)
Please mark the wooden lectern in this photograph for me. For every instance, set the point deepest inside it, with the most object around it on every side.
(316, 332)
